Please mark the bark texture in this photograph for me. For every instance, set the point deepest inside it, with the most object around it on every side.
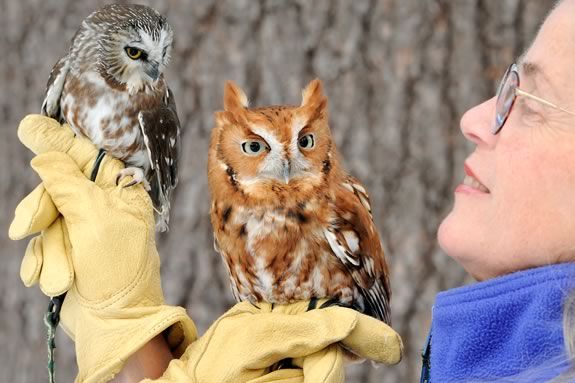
(398, 74)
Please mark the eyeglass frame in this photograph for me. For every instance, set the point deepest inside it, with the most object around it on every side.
(514, 68)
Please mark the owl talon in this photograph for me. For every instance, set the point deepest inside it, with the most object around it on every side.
(138, 177)
(130, 184)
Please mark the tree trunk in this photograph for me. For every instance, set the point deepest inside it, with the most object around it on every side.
(398, 75)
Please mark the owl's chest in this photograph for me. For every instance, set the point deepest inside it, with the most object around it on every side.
(279, 255)
(106, 115)
(277, 229)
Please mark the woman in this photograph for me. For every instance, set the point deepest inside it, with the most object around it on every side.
(511, 228)
(512, 225)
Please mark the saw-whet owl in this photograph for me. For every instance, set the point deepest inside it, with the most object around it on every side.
(110, 87)
(288, 221)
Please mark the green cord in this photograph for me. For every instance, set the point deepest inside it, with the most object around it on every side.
(51, 319)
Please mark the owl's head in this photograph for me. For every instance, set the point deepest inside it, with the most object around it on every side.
(134, 44)
(278, 148)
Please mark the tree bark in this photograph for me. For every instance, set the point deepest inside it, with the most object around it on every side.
(398, 75)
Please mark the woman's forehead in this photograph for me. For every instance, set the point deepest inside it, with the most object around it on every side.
(551, 57)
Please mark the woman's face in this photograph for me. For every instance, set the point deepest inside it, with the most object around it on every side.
(523, 214)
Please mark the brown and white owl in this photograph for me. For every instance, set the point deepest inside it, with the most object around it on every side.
(110, 88)
(289, 222)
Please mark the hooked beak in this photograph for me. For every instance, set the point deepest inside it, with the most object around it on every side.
(286, 171)
(152, 70)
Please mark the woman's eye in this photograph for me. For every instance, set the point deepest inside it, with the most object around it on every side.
(253, 147)
(526, 109)
(133, 53)
(306, 142)
(530, 113)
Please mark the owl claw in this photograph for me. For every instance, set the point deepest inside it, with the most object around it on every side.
(137, 175)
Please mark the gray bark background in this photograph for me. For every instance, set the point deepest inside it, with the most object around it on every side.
(398, 75)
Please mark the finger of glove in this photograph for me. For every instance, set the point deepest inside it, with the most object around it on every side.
(32, 262)
(70, 189)
(43, 134)
(325, 366)
(66, 184)
(373, 339)
(290, 375)
(57, 272)
(108, 172)
(273, 337)
(33, 214)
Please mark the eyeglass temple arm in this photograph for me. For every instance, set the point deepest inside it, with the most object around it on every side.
(523, 93)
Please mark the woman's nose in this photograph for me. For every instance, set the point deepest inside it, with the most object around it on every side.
(477, 122)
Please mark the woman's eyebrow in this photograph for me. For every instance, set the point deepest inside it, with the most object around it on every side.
(534, 72)
(536, 75)
(531, 69)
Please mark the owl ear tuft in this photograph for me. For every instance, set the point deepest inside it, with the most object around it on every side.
(234, 97)
(313, 98)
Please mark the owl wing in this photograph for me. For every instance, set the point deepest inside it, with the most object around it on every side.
(225, 257)
(161, 132)
(353, 238)
(51, 104)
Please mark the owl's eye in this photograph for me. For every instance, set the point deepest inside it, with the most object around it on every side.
(133, 53)
(306, 142)
(253, 147)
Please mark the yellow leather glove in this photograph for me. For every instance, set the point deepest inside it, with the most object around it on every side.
(244, 342)
(102, 252)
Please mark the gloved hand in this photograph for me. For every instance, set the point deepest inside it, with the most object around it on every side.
(104, 245)
(244, 342)
(102, 251)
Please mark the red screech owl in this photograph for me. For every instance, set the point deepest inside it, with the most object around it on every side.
(288, 221)
(110, 88)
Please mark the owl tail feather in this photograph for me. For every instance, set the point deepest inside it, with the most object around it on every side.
(162, 219)
(161, 200)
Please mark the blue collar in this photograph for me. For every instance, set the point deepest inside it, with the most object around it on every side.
(502, 327)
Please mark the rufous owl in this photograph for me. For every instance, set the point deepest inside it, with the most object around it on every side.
(289, 222)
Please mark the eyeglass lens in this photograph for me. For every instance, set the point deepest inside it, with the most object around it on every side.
(505, 97)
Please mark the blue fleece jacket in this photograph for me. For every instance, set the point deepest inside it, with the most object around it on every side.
(507, 326)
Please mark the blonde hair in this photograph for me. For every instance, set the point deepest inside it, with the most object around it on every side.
(568, 314)
(568, 338)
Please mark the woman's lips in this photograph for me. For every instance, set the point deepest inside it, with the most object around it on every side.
(470, 183)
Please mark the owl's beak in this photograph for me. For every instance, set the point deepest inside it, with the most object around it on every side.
(152, 70)
(286, 171)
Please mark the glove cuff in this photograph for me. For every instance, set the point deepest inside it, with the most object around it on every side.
(104, 344)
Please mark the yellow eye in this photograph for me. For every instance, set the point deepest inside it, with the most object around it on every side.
(133, 53)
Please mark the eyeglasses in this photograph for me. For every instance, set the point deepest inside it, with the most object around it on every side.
(507, 92)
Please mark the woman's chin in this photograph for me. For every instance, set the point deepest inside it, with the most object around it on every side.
(454, 240)
(447, 236)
